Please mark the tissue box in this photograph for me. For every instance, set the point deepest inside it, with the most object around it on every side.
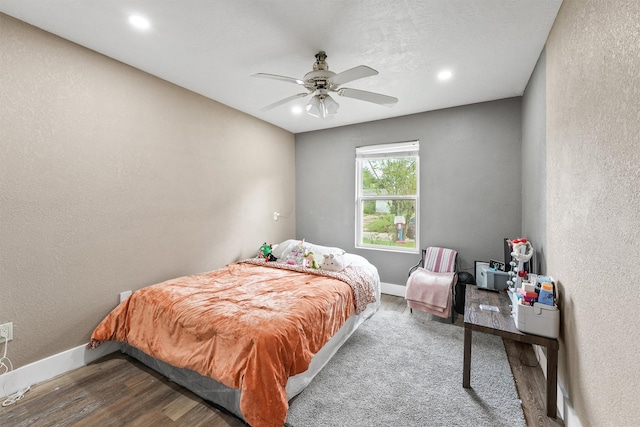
(492, 279)
(538, 319)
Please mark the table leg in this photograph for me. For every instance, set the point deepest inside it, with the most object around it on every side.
(466, 366)
(552, 382)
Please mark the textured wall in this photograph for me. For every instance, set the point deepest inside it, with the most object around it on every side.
(111, 179)
(534, 172)
(593, 203)
(470, 182)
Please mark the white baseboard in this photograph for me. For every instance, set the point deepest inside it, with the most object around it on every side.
(391, 289)
(565, 410)
(52, 366)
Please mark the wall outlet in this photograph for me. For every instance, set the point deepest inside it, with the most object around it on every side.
(6, 330)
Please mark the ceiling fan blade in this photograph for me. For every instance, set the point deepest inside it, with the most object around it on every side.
(276, 77)
(363, 95)
(284, 101)
(355, 73)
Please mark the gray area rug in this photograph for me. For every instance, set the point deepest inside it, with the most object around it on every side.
(406, 370)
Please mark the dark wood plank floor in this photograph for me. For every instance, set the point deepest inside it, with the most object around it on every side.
(119, 391)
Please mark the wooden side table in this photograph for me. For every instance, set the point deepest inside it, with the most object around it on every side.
(501, 323)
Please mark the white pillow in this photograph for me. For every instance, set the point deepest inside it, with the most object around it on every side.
(320, 251)
(283, 249)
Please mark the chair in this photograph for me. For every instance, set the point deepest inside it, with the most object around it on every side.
(431, 282)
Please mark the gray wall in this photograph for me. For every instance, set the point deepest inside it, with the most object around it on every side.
(534, 162)
(111, 179)
(470, 182)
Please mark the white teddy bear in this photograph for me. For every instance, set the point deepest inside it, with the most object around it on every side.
(333, 262)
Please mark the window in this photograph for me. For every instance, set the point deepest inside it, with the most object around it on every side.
(387, 177)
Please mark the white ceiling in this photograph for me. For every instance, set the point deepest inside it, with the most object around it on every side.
(212, 47)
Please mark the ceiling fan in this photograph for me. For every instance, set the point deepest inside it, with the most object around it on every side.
(321, 82)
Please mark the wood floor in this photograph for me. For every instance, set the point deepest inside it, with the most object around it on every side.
(119, 391)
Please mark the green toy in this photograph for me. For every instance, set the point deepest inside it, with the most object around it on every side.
(265, 252)
(310, 260)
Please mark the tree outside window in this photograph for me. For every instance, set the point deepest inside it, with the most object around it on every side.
(387, 202)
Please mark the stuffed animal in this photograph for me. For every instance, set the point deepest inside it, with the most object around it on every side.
(333, 262)
(296, 256)
(265, 252)
(310, 260)
(522, 251)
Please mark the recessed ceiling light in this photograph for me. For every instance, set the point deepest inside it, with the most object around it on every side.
(444, 75)
(139, 22)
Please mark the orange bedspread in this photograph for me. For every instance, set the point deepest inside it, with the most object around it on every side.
(247, 326)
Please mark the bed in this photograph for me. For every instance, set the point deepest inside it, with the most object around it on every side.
(251, 335)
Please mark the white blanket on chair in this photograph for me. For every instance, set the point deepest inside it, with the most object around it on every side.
(430, 292)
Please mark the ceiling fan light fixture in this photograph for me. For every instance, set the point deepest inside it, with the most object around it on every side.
(320, 82)
(322, 106)
(313, 107)
(330, 105)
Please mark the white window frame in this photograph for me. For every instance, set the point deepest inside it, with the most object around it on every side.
(381, 151)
